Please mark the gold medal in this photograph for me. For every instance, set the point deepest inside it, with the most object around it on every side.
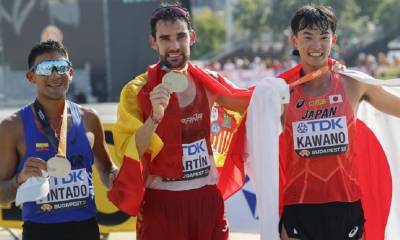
(58, 166)
(176, 82)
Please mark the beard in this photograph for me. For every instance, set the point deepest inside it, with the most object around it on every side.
(175, 64)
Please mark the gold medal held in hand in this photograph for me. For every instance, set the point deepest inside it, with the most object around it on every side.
(176, 82)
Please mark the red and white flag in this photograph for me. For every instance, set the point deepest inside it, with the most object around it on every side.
(337, 98)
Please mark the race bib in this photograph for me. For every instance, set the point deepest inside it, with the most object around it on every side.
(196, 161)
(319, 137)
(69, 192)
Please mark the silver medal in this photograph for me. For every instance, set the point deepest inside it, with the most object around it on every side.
(58, 166)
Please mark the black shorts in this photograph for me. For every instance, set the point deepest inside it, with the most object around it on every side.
(329, 221)
(82, 230)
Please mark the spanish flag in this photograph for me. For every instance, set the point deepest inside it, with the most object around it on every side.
(164, 155)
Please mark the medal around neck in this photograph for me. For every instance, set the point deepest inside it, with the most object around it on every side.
(58, 166)
(176, 82)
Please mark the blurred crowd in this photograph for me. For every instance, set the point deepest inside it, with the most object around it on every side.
(380, 66)
(243, 71)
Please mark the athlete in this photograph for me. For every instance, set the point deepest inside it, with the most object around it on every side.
(34, 134)
(321, 191)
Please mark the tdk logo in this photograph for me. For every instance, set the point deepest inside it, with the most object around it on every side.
(194, 148)
(320, 125)
(73, 177)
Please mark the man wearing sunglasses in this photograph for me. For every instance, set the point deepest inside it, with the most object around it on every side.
(168, 178)
(54, 128)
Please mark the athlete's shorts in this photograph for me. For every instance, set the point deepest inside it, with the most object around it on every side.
(330, 221)
(196, 214)
(82, 230)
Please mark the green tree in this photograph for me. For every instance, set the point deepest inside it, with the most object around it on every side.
(211, 33)
(251, 16)
(369, 6)
(352, 20)
(282, 11)
(388, 16)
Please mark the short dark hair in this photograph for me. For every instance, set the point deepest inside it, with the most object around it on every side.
(170, 12)
(46, 47)
(310, 16)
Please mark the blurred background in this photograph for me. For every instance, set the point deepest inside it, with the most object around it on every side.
(244, 39)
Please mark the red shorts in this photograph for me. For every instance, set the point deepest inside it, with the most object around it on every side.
(196, 214)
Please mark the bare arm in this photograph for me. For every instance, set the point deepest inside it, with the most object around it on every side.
(8, 190)
(8, 160)
(382, 100)
(159, 98)
(10, 134)
(103, 162)
(143, 136)
(238, 104)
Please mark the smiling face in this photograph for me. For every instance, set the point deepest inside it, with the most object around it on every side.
(172, 41)
(55, 86)
(314, 46)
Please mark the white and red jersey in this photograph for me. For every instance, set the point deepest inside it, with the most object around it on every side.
(319, 132)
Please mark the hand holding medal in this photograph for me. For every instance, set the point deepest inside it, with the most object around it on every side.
(175, 81)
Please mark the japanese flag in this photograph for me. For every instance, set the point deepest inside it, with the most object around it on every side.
(337, 98)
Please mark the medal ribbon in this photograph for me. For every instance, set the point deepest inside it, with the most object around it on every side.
(310, 76)
(61, 144)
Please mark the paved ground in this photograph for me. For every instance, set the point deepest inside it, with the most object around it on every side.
(5, 235)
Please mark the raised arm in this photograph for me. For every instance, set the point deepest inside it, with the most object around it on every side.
(133, 135)
(159, 98)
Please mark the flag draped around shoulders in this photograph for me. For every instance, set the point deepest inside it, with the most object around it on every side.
(128, 188)
(262, 145)
(373, 172)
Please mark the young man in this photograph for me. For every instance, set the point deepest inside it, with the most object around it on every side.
(31, 136)
(321, 191)
(170, 133)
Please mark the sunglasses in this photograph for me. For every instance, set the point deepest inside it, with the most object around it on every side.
(173, 10)
(47, 67)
